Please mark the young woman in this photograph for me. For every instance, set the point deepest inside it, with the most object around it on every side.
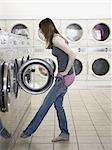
(65, 77)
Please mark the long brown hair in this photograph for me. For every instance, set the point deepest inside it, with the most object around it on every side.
(48, 29)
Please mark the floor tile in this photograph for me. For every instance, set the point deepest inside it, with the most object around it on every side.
(44, 132)
(90, 147)
(106, 140)
(107, 146)
(63, 146)
(41, 140)
(21, 147)
(88, 140)
(86, 133)
(41, 147)
(84, 127)
(82, 123)
(107, 133)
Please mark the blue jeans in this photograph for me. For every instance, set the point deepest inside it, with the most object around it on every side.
(55, 95)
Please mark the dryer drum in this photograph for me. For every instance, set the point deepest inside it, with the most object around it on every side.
(74, 32)
(100, 67)
(101, 32)
(78, 66)
(20, 29)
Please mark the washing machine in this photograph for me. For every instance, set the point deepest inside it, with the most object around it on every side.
(99, 64)
(39, 42)
(21, 27)
(14, 102)
(80, 63)
(99, 32)
(75, 31)
(4, 133)
(2, 25)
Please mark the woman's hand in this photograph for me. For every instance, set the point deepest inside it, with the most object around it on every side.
(62, 74)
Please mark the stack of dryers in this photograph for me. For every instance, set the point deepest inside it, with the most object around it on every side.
(14, 102)
(99, 53)
(75, 31)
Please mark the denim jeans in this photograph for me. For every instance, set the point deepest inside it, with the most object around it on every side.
(55, 96)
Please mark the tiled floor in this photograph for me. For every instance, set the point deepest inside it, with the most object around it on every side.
(89, 118)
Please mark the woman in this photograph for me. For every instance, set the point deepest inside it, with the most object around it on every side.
(64, 78)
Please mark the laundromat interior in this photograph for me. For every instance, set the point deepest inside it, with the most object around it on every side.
(28, 71)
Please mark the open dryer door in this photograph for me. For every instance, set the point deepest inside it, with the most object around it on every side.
(5, 87)
(41, 76)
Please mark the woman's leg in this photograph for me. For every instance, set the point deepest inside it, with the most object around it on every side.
(58, 89)
(64, 135)
(58, 104)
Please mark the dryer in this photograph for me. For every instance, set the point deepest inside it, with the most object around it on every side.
(38, 37)
(99, 32)
(75, 31)
(99, 64)
(21, 27)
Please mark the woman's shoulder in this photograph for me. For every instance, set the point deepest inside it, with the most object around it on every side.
(57, 38)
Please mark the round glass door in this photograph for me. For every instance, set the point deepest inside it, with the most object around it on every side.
(100, 67)
(41, 76)
(20, 29)
(78, 66)
(101, 32)
(74, 32)
(5, 88)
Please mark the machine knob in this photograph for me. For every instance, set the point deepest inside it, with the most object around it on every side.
(106, 49)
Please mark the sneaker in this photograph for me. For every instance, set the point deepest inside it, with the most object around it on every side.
(61, 137)
(24, 135)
